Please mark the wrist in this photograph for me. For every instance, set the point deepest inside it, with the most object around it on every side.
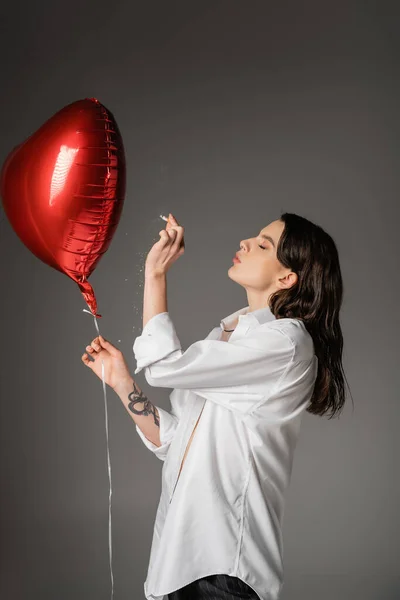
(124, 387)
(155, 274)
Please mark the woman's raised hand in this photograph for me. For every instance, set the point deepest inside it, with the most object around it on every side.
(167, 250)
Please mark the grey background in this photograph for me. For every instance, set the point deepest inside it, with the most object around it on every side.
(230, 112)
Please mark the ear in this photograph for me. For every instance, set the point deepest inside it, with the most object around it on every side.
(292, 279)
(288, 280)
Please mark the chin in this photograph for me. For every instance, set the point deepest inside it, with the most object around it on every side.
(230, 270)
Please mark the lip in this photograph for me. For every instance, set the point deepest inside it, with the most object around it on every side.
(236, 259)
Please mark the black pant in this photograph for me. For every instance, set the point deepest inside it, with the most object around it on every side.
(215, 587)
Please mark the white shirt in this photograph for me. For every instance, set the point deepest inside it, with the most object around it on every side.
(224, 512)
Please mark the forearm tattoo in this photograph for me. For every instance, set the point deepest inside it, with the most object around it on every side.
(148, 407)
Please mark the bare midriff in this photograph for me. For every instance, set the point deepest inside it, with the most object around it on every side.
(189, 442)
(224, 338)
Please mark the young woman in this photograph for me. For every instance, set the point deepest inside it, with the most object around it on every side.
(237, 401)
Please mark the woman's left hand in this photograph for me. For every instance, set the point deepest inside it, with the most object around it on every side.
(167, 250)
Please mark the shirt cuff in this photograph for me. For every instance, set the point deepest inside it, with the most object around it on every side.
(158, 340)
(168, 425)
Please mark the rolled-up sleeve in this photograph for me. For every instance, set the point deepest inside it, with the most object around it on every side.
(168, 425)
(218, 371)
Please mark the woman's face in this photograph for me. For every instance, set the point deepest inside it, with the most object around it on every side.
(259, 269)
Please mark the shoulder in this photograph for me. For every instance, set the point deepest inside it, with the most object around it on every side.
(295, 333)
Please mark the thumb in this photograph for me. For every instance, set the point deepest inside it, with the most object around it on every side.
(108, 346)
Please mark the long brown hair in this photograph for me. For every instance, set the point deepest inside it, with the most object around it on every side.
(316, 299)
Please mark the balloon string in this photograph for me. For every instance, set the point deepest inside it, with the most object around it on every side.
(108, 457)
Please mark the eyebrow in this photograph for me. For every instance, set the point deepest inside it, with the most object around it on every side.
(267, 237)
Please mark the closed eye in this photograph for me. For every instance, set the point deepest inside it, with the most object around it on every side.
(262, 247)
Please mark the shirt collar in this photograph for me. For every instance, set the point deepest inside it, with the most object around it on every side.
(254, 318)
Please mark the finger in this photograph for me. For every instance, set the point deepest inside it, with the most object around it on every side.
(171, 236)
(177, 244)
(172, 233)
(86, 360)
(175, 228)
(172, 222)
(96, 344)
(172, 219)
(181, 230)
(164, 237)
(109, 347)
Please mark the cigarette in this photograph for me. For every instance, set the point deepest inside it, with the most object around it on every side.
(162, 217)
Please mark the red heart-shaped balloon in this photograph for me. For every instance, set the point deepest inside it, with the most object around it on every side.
(63, 190)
